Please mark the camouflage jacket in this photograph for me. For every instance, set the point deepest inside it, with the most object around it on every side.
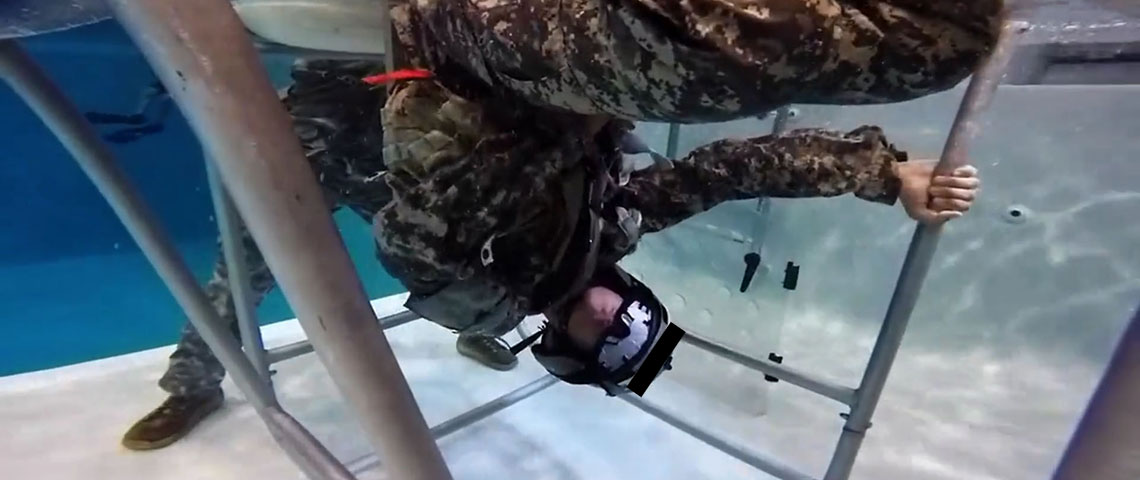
(479, 155)
(696, 61)
(461, 179)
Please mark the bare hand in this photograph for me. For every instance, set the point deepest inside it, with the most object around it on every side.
(936, 199)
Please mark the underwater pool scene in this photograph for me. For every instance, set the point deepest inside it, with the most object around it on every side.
(1027, 298)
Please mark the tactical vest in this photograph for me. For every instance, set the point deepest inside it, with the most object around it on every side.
(477, 304)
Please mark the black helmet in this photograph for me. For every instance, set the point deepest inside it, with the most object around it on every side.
(639, 343)
(631, 353)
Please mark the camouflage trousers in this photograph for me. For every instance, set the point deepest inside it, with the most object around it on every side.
(193, 368)
(335, 117)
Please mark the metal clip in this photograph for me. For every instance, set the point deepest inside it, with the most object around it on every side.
(486, 254)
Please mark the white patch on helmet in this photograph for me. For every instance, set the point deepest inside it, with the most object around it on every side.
(617, 351)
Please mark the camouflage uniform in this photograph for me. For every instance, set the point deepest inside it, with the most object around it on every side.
(697, 60)
(464, 175)
(337, 119)
(479, 157)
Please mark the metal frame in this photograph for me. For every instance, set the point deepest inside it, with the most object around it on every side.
(1107, 438)
(210, 66)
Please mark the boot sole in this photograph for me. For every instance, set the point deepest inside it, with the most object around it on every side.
(494, 366)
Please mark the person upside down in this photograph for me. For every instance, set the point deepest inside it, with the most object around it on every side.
(498, 187)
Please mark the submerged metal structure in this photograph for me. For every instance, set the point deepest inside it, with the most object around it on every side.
(259, 176)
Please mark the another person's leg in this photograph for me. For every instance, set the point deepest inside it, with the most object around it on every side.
(194, 376)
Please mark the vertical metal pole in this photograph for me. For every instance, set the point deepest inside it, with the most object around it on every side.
(201, 52)
(672, 140)
(229, 229)
(780, 123)
(73, 131)
(80, 139)
(922, 246)
(1107, 439)
(389, 39)
(764, 204)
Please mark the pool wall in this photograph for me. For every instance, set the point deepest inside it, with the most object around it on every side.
(73, 285)
(1025, 300)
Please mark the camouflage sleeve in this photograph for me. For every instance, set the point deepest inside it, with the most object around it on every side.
(705, 60)
(795, 164)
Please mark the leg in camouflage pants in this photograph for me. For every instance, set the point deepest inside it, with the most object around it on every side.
(337, 119)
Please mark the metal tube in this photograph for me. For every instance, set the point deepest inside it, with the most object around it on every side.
(758, 461)
(780, 123)
(202, 54)
(672, 141)
(267, 47)
(764, 204)
(307, 452)
(288, 351)
(982, 86)
(1106, 440)
(389, 39)
(229, 226)
(469, 417)
(490, 408)
(69, 126)
(828, 389)
(303, 347)
(96, 160)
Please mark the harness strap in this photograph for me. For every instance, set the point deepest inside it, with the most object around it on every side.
(573, 189)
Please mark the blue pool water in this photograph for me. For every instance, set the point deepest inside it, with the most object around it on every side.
(73, 285)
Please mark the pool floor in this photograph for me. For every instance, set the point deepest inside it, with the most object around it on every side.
(69, 421)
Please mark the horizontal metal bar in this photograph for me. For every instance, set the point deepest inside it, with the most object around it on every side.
(285, 352)
(761, 462)
(296, 349)
(839, 393)
(469, 417)
(494, 406)
(268, 47)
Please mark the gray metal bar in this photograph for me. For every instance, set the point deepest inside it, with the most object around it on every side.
(828, 389)
(389, 39)
(764, 204)
(267, 47)
(982, 86)
(494, 406)
(758, 461)
(672, 141)
(307, 452)
(202, 53)
(1107, 439)
(96, 160)
(780, 123)
(469, 417)
(303, 347)
(229, 228)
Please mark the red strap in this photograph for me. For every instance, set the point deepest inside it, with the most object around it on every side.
(410, 74)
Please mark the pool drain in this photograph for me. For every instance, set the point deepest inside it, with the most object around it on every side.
(1016, 214)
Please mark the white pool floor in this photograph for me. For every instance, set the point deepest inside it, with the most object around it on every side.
(66, 423)
(977, 414)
